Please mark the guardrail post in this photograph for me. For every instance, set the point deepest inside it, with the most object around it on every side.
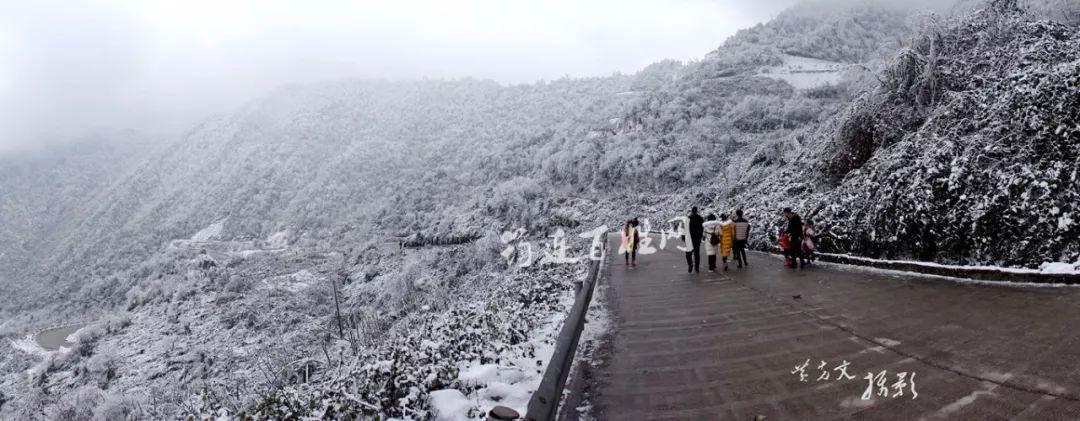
(502, 413)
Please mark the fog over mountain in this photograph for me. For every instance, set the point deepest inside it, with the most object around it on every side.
(211, 190)
(161, 67)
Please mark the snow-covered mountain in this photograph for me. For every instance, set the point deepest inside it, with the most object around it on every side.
(987, 94)
(967, 152)
(210, 264)
(44, 193)
(214, 258)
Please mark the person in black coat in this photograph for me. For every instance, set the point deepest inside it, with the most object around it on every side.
(696, 229)
(794, 231)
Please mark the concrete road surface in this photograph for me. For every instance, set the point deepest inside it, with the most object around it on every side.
(729, 345)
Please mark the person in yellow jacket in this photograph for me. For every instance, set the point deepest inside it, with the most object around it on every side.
(727, 238)
(630, 240)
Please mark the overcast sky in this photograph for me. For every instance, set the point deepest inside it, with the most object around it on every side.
(70, 66)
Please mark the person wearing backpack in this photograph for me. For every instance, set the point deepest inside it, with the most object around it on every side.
(712, 237)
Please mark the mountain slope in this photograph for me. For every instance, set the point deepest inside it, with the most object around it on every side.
(968, 153)
(44, 192)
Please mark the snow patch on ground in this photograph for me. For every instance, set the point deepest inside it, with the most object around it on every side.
(1059, 268)
(947, 411)
(278, 240)
(887, 341)
(28, 345)
(450, 405)
(856, 403)
(294, 282)
(209, 233)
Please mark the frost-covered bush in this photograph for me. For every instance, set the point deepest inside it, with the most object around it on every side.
(80, 405)
(981, 171)
(832, 30)
(103, 365)
(239, 284)
(146, 292)
(239, 315)
(116, 322)
(394, 378)
(85, 340)
(119, 408)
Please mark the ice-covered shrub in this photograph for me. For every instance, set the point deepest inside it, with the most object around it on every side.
(239, 284)
(79, 406)
(116, 323)
(393, 379)
(103, 365)
(114, 407)
(980, 171)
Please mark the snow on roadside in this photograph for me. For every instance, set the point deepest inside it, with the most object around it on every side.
(1045, 268)
(1059, 268)
(598, 325)
(509, 384)
(896, 272)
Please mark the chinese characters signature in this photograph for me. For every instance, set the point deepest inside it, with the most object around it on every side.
(876, 383)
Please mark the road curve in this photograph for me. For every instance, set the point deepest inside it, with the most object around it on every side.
(726, 346)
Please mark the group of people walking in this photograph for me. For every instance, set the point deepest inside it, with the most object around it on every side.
(727, 238)
(724, 238)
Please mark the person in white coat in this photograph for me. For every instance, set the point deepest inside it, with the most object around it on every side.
(712, 240)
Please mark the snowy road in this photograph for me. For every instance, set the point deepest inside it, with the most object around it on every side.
(731, 345)
(53, 339)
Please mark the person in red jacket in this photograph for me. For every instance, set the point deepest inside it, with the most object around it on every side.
(795, 232)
